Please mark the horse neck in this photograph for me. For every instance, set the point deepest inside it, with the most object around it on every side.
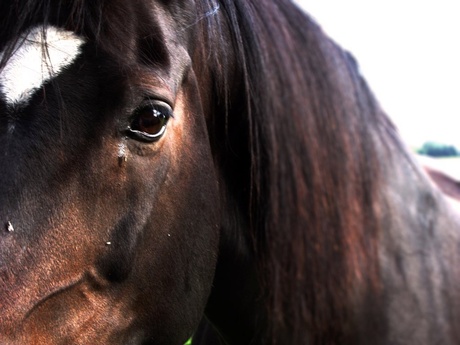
(360, 285)
(419, 244)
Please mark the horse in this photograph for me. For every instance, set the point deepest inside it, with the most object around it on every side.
(171, 163)
(445, 180)
(449, 185)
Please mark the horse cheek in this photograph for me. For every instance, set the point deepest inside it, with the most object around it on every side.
(176, 255)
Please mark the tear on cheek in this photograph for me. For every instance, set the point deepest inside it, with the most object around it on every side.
(122, 153)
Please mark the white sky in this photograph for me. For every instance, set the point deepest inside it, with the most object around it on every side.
(409, 52)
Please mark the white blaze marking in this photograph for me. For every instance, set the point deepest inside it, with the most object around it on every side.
(41, 57)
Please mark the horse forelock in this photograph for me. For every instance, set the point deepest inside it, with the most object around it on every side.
(314, 129)
(130, 33)
(111, 26)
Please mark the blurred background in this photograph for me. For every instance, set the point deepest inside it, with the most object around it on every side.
(409, 52)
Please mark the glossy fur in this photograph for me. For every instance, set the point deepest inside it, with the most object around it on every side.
(280, 202)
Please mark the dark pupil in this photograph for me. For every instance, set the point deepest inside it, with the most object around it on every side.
(150, 121)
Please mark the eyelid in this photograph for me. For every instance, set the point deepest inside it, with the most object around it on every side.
(158, 96)
(155, 102)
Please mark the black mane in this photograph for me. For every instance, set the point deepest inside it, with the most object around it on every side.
(314, 132)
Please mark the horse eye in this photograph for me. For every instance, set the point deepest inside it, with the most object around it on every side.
(149, 122)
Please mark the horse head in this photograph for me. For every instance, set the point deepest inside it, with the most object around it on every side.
(108, 200)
